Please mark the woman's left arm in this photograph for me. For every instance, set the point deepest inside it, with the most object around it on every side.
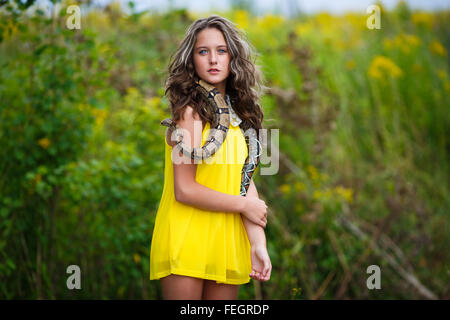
(261, 264)
(255, 232)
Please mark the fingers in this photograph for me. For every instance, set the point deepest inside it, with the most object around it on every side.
(268, 275)
(262, 276)
(270, 270)
(263, 221)
(265, 276)
(266, 271)
(256, 275)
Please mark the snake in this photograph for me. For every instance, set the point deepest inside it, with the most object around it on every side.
(220, 125)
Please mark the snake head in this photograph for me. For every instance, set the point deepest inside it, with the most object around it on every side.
(168, 123)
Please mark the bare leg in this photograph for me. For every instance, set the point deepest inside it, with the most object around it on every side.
(219, 291)
(176, 287)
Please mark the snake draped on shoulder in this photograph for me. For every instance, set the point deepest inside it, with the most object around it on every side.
(217, 134)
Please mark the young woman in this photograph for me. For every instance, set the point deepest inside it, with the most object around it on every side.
(208, 239)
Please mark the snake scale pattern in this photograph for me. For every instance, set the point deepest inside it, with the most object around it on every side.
(217, 134)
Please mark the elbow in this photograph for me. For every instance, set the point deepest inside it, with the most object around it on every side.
(178, 194)
(181, 194)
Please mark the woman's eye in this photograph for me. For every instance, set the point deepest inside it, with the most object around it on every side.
(200, 52)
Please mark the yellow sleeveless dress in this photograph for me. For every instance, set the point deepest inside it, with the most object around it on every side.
(199, 243)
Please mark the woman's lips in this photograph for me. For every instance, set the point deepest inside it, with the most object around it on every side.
(213, 71)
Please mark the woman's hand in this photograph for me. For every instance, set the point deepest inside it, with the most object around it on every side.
(255, 210)
(261, 265)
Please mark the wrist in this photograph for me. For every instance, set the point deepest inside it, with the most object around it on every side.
(242, 205)
(257, 244)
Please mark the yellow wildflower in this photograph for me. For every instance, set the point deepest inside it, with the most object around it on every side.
(317, 194)
(100, 115)
(10, 29)
(132, 91)
(437, 48)
(44, 143)
(405, 42)
(303, 29)
(299, 186)
(152, 105)
(408, 41)
(422, 18)
(241, 19)
(325, 21)
(296, 291)
(380, 64)
(268, 21)
(411, 40)
(355, 21)
(137, 258)
(442, 74)
(375, 73)
(285, 188)
(346, 193)
(447, 85)
(154, 101)
(312, 172)
(104, 48)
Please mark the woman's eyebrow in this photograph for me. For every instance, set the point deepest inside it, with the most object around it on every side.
(222, 45)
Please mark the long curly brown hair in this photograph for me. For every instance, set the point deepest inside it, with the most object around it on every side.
(244, 84)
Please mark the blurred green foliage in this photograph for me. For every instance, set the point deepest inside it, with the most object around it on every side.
(363, 119)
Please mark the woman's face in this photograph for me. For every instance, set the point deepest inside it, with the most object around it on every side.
(211, 52)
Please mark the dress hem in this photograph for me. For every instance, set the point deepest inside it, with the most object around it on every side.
(182, 272)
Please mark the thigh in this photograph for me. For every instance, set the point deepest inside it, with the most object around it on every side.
(219, 291)
(176, 287)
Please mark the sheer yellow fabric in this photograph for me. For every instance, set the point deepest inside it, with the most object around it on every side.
(199, 243)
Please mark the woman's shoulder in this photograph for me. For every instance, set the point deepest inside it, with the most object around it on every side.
(188, 118)
(190, 115)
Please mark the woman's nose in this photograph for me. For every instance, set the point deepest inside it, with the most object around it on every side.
(213, 58)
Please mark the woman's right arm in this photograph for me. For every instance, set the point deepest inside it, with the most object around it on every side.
(189, 191)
